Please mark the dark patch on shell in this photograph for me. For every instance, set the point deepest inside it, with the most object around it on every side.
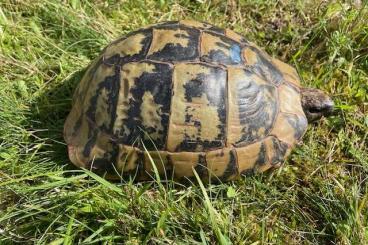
(218, 56)
(201, 167)
(231, 168)
(106, 164)
(298, 123)
(252, 107)
(214, 29)
(262, 156)
(111, 84)
(158, 83)
(279, 149)
(266, 69)
(175, 51)
(92, 137)
(216, 95)
(116, 59)
(172, 23)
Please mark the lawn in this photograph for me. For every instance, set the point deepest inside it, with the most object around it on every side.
(319, 196)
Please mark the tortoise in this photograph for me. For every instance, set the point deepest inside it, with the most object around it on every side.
(184, 95)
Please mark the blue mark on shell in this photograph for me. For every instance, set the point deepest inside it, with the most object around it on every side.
(235, 53)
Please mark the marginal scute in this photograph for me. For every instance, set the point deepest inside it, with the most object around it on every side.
(262, 168)
(174, 44)
(276, 150)
(160, 160)
(77, 135)
(74, 156)
(183, 164)
(219, 49)
(252, 107)
(128, 160)
(199, 98)
(102, 153)
(289, 73)
(92, 149)
(247, 157)
(129, 46)
(289, 128)
(290, 100)
(222, 164)
(235, 36)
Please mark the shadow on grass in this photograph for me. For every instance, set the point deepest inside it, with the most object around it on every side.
(47, 117)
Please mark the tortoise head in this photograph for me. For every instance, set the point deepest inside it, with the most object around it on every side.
(316, 104)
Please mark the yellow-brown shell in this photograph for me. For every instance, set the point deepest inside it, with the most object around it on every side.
(184, 95)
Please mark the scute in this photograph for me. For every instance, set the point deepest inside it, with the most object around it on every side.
(183, 164)
(235, 36)
(202, 26)
(143, 105)
(222, 164)
(199, 98)
(174, 44)
(289, 99)
(134, 47)
(218, 49)
(184, 96)
(252, 107)
(276, 150)
(289, 73)
(102, 103)
(260, 64)
(289, 128)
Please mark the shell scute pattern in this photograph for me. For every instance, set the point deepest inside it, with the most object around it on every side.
(289, 99)
(262, 65)
(254, 107)
(133, 47)
(222, 164)
(289, 73)
(194, 95)
(202, 26)
(143, 105)
(174, 44)
(289, 128)
(236, 37)
(199, 98)
(219, 49)
(276, 150)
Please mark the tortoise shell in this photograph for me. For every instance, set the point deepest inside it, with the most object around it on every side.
(184, 95)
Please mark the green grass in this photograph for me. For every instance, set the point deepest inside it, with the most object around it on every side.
(319, 196)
